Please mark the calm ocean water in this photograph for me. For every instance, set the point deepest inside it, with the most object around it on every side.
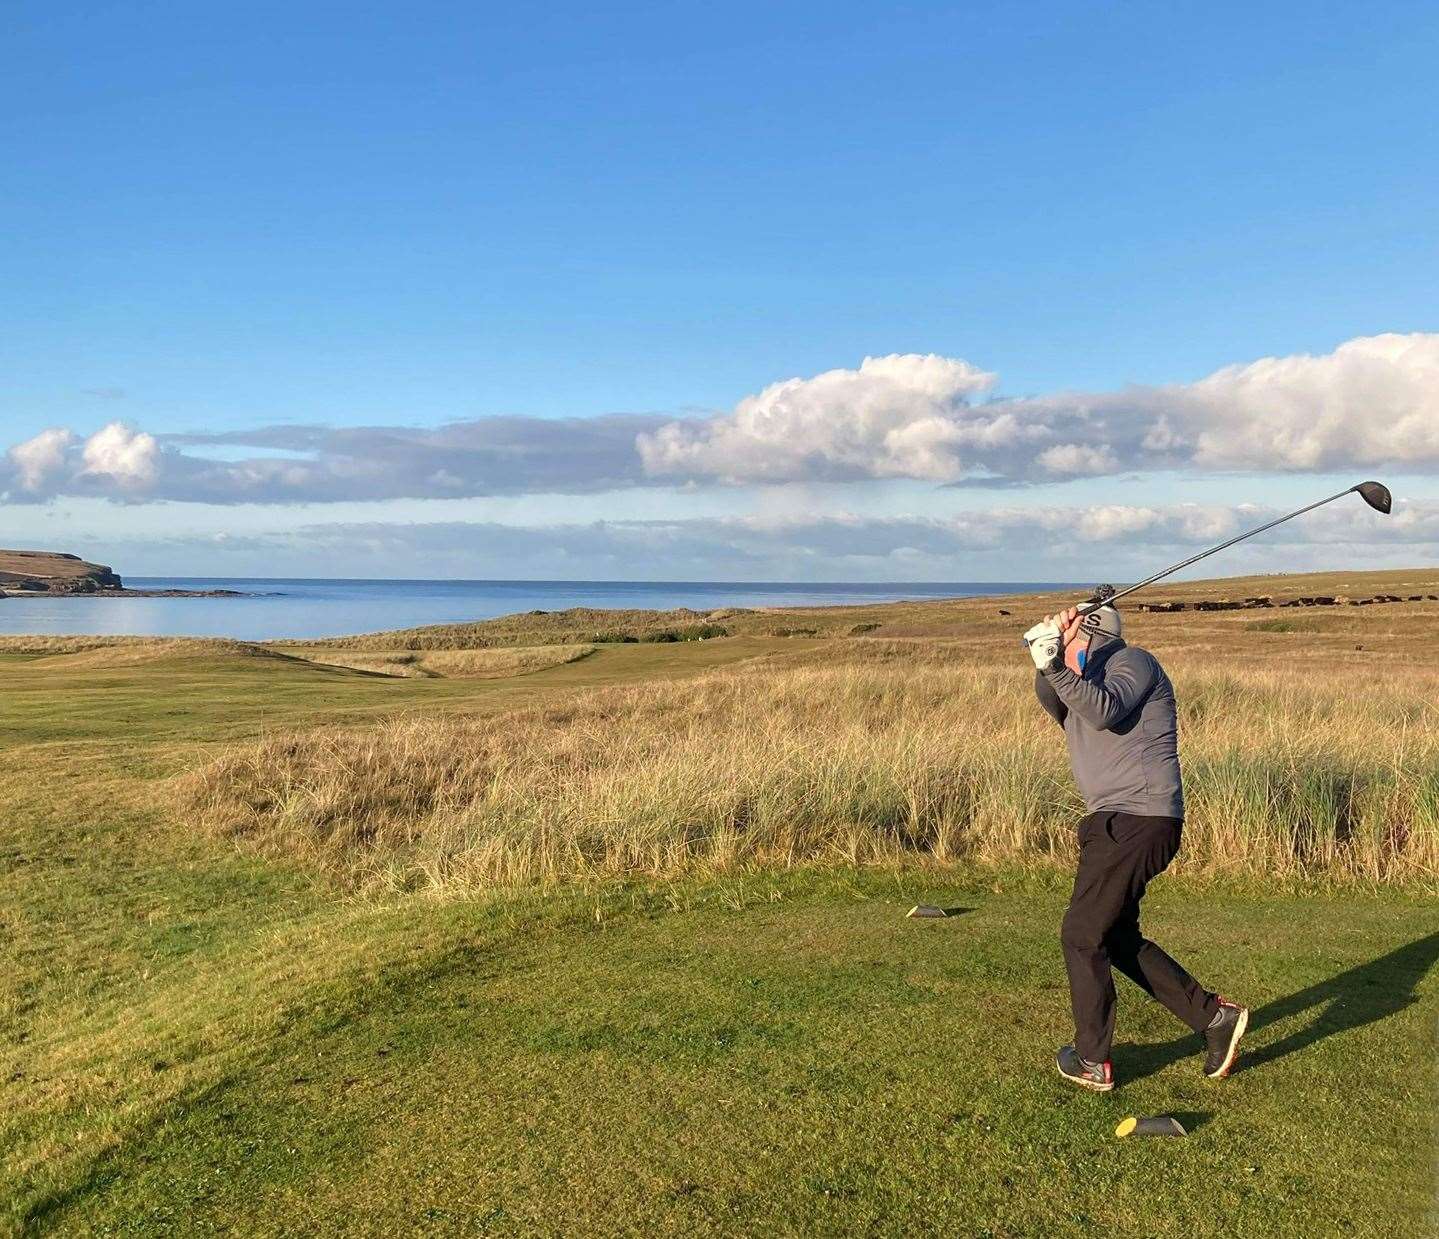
(321, 608)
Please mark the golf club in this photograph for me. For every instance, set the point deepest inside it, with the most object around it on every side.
(1375, 494)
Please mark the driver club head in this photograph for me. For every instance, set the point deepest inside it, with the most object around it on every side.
(1377, 496)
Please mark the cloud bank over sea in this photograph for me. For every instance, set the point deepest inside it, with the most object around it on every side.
(1371, 403)
(1110, 541)
(907, 466)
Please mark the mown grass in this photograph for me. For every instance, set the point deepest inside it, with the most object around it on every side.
(198, 1037)
(773, 1055)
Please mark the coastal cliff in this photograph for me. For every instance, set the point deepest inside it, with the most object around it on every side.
(41, 574)
(52, 572)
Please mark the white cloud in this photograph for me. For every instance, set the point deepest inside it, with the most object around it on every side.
(1371, 403)
(897, 416)
(1372, 400)
(116, 458)
(130, 457)
(38, 460)
(319, 464)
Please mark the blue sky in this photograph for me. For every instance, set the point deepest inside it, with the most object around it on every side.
(228, 218)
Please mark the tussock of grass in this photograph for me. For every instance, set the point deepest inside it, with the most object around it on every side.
(899, 750)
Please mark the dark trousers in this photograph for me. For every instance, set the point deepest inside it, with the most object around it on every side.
(1118, 854)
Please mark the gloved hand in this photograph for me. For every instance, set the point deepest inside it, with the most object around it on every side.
(1045, 644)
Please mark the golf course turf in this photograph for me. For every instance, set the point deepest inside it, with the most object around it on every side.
(201, 1039)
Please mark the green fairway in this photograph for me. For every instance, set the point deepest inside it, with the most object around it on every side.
(769, 1055)
(197, 1040)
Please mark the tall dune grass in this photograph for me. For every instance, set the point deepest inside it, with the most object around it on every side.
(897, 752)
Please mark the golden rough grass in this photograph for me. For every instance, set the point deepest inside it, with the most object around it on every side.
(501, 663)
(882, 751)
(79, 652)
(491, 664)
(41, 644)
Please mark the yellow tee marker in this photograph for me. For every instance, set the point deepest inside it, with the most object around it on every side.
(1158, 1125)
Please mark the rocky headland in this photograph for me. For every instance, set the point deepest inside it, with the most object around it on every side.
(42, 574)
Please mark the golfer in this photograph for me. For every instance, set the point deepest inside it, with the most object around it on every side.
(1116, 706)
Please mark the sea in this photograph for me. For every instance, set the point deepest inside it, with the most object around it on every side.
(275, 607)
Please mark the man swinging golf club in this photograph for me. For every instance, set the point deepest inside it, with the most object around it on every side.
(1117, 709)
(1116, 706)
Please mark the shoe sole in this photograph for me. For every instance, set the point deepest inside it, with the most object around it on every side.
(1083, 1083)
(1240, 1025)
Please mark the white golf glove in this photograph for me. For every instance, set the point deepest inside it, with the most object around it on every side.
(1045, 644)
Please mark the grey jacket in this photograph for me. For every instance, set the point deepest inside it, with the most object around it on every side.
(1119, 721)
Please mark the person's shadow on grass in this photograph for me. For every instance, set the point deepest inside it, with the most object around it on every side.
(1361, 995)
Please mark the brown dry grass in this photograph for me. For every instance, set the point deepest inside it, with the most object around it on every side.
(43, 645)
(78, 652)
(460, 664)
(863, 752)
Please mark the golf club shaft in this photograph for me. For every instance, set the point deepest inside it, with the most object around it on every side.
(1194, 559)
